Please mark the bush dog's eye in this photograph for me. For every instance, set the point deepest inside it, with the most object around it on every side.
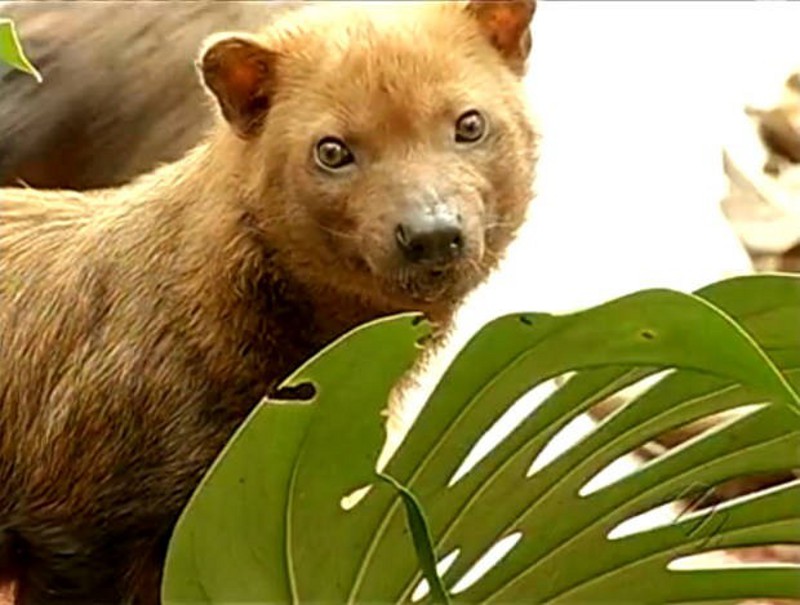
(333, 154)
(470, 127)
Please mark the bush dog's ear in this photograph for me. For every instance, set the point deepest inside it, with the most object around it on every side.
(241, 75)
(506, 23)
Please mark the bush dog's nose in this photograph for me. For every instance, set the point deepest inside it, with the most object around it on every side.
(433, 238)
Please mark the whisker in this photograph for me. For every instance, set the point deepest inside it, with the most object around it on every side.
(499, 224)
(336, 232)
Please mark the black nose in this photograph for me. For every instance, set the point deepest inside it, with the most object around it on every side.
(431, 238)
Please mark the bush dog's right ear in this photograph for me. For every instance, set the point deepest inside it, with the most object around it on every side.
(240, 73)
(506, 24)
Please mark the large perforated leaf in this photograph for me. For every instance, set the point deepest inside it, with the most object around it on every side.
(267, 525)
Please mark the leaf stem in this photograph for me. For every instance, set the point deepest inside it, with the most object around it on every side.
(423, 542)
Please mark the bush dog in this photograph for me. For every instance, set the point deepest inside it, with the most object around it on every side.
(372, 158)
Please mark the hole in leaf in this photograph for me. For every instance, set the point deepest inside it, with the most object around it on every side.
(695, 500)
(305, 391)
(504, 426)
(574, 431)
(671, 439)
(422, 589)
(619, 469)
(655, 517)
(614, 403)
(772, 555)
(351, 500)
(702, 505)
(750, 484)
(687, 433)
(489, 559)
(583, 425)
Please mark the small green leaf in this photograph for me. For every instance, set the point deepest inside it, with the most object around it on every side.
(422, 540)
(11, 51)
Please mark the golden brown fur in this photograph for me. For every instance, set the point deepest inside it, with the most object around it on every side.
(138, 326)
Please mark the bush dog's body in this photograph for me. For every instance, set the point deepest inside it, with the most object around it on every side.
(121, 93)
(372, 160)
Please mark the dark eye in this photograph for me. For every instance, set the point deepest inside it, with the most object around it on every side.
(333, 154)
(470, 127)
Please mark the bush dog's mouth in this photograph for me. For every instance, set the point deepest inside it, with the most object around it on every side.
(437, 284)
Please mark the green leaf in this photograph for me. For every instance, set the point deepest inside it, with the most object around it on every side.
(11, 51)
(273, 496)
(422, 540)
(732, 344)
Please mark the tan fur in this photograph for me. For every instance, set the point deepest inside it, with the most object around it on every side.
(138, 326)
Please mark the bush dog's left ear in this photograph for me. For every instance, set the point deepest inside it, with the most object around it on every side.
(240, 73)
(506, 23)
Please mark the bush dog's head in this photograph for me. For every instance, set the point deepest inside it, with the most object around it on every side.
(384, 148)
